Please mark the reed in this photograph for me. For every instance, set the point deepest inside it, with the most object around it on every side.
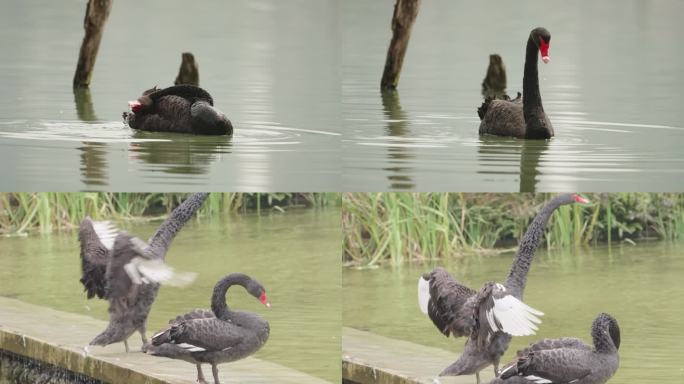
(399, 227)
(49, 211)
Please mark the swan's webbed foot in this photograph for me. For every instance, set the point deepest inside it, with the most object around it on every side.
(200, 375)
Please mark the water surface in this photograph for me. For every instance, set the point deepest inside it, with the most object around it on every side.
(270, 66)
(294, 255)
(612, 91)
(640, 286)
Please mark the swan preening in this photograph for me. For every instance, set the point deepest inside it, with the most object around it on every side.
(522, 117)
(180, 108)
(568, 360)
(127, 271)
(218, 336)
(490, 317)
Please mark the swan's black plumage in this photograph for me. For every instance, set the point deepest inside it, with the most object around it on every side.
(103, 273)
(457, 309)
(218, 336)
(521, 118)
(568, 360)
(180, 108)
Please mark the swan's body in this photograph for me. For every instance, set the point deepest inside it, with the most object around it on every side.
(127, 271)
(522, 118)
(568, 360)
(180, 108)
(217, 336)
(482, 316)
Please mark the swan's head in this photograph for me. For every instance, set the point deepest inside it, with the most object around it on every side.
(257, 290)
(542, 38)
(605, 325)
(143, 101)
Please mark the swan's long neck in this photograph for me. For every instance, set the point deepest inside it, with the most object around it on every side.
(533, 111)
(161, 240)
(218, 298)
(602, 335)
(603, 343)
(528, 245)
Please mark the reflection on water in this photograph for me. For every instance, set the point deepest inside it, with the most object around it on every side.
(399, 156)
(497, 153)
(94, 164)
(636, 284)
(294, 255)
(280, 90)
(84, 104)
(612, 93)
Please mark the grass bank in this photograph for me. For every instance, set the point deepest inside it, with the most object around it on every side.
(46, 212)
(395, 227)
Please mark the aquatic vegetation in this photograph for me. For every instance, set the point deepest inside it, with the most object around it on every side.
(397, 227)
(45, 212)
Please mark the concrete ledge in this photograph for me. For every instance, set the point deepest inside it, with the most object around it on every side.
(58, 338)
(369, 358)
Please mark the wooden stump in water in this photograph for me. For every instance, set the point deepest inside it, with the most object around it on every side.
(95, 19)
(494, 83)
(405, 12)
(188, 72)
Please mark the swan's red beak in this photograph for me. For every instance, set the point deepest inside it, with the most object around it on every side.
(135, 106)
(544, 49)
(581, 199)
(264, 300)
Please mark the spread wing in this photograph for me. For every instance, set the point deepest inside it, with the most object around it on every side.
(120, 276)
(129, 267)
(444, 299)
(498, 310)
(96, 239)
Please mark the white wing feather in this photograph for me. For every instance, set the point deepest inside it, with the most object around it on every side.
(156, 271)
(106, 232)
(423, 294)
(516, 318)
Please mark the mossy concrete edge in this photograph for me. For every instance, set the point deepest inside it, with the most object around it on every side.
(370, 358)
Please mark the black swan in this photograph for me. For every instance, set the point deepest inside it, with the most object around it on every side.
(217, 336)
(127, 271)
(524, 118)
(180, 108)
(482, 316)
(568, 360)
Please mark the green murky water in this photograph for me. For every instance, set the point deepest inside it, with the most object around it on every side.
(294, 255)
(270, 66)
(640, 285)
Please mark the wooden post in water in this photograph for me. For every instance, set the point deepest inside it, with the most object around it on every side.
(405, 12)
(93, 23)
(188, 72)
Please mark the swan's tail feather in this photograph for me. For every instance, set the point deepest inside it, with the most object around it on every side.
(162, 337)
(482, 110)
